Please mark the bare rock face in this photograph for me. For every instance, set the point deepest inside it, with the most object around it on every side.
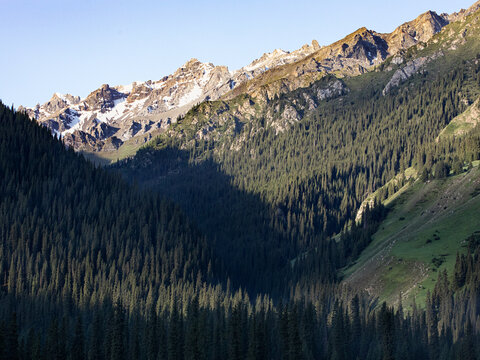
(331, 90)
(80, 141)
(139, 92)
(288, 116)
(281, 118)
(99, 130)
(462, 14)
(355, 53)
(59, 102)
(412, 67)
(102, 99)
(419, 30)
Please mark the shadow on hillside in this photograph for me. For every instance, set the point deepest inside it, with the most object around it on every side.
(238, 225)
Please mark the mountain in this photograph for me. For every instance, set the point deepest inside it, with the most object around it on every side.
(110, 117)
(297, 123)
(314, 154)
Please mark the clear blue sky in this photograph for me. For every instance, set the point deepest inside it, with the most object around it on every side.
(75, 46)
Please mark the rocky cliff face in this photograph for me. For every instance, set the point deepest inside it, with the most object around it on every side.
(419, 30)
(411, 68)
(109, 116)
(456, 16)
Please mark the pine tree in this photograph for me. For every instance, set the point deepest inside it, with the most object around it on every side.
(95, 348)
(387, 330)
(118, 328)
(175, 335)
(78, 345)
(10, 339)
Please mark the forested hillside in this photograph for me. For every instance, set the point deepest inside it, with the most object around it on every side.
(236, 233)
(128, 278)
(305, 184)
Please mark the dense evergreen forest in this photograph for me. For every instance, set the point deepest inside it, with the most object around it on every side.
(231, 254)
(304, 185)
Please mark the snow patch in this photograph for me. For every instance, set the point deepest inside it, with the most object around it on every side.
(118, 109)
(75, 123)
(191, 96)
(166, 100)
(61, 97)
(158, 85)
(127, 89)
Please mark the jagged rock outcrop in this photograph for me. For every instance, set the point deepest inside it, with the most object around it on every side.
(102, 99)
(419, 30)
(57, 103)
(282, 118)
(333, 89)
(272, 60)
(411, 68)
(459, 16)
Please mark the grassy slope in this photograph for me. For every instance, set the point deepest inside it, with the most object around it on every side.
(426, 226)
(464, 122)
(128, 149)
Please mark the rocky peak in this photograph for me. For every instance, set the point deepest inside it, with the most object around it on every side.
(364, 46)
(102, 99)
(361, 31)
(190, 66)
(457, 16)
(419, 30)
(72, 99)
(431, 23)
(306, 49)
(193, 62)
(266, 59)
(357, 34)
(192, 71)
(59, 102)
(276, 58)
(139, 92)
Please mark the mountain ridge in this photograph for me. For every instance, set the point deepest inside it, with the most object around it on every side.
(113, 115)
